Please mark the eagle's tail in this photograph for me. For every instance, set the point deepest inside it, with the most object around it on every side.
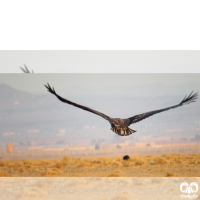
(123, 131)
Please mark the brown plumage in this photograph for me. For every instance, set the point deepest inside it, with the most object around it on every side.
(120, 126)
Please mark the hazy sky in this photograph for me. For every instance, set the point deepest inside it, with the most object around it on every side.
(34, 83)
(101, 61)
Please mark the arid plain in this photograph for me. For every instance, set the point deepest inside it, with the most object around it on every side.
(167, 165)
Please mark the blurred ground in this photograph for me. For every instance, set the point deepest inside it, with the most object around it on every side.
(76, 188)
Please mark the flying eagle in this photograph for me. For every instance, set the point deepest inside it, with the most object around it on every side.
(121, 126)
(25, 69)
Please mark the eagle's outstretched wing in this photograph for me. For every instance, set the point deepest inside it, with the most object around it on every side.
(25, 69)
(51, 90)
(188, 99)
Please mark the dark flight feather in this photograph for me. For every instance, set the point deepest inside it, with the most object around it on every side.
(25, 69)
(185, 101)
(51, 90)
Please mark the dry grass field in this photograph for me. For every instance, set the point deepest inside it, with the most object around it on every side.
(169, 165)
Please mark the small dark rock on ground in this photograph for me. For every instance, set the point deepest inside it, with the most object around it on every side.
(126, 157)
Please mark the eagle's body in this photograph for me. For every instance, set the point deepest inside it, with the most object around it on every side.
(121, 126)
